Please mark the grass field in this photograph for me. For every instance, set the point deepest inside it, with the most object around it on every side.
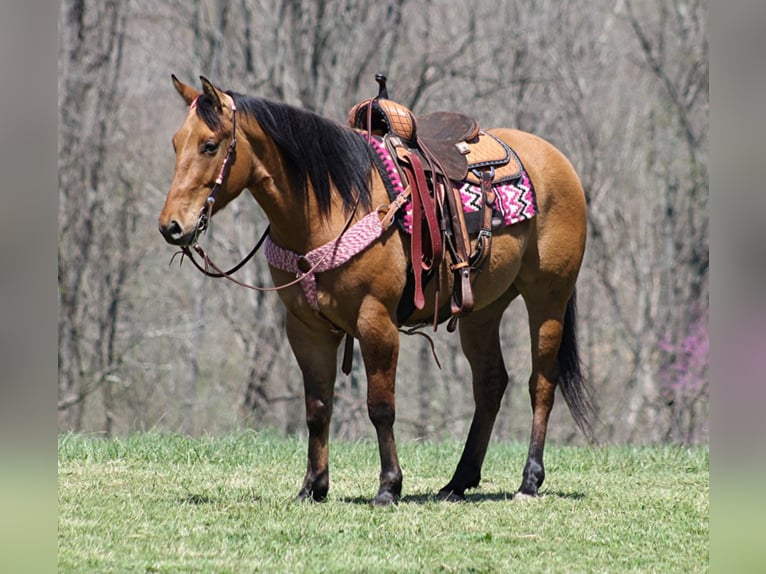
(165, 503)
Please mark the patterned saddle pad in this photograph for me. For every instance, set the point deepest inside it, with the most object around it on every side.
(515, 194)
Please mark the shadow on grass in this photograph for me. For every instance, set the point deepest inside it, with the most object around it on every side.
(416, 498)
(423, 498)
(201, 499)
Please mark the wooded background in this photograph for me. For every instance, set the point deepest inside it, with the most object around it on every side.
(621, 87)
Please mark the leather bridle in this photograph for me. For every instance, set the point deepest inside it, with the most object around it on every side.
(207, 210)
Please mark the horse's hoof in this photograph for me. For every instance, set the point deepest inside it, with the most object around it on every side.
(521, 497)
(309, 496)
(383, 499)
(450, 496)
(302, 497)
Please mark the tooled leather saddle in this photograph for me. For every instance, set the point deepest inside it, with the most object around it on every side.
(433, 153)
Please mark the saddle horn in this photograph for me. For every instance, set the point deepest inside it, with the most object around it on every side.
(383, 90)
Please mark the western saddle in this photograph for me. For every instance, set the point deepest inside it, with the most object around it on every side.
(435, 154)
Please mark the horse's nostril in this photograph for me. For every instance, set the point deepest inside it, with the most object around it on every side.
(173, 230)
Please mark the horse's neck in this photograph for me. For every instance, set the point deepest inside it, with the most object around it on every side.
(294, 215)
(296, 223)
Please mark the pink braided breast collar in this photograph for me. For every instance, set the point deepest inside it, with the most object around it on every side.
(329, 256)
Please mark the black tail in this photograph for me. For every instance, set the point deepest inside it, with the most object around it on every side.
(574, 386)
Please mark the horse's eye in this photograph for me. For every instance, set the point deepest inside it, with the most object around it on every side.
(209, 147)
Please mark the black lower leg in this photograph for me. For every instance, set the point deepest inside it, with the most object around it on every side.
(534, 473)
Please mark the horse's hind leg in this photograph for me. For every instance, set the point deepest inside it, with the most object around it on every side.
(480, 339)
(546, 324)
(315, 352)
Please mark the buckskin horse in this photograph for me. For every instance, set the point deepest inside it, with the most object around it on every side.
(322, 187)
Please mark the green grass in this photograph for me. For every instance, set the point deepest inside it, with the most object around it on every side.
(165, 503)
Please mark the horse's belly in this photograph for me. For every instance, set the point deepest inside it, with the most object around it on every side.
(501, 268)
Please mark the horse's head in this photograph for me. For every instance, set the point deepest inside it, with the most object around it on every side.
(207, 174)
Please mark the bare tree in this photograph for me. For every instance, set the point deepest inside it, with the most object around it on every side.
(94, 231)
(673, 47)
(621, 88)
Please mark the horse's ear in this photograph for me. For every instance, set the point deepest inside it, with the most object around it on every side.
(211, 92)
(187, 92)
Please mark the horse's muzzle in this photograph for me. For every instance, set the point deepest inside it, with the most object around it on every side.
(175, 234)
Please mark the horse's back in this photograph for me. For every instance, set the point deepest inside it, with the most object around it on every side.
(559, 228)
(557, 185)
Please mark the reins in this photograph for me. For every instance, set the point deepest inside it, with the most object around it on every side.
(218, 273)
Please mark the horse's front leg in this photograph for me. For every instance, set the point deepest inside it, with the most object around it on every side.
(379, 343)
(316, 352)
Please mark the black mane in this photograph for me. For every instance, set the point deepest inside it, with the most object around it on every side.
(315, 149)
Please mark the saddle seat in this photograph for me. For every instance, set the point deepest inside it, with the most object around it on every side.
(441, 133)
(463, 150)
